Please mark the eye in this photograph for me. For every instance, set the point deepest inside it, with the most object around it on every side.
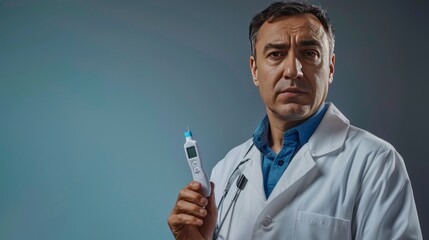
(276, 55)
(311, 54)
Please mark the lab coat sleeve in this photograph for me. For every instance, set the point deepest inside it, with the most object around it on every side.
(385, 207)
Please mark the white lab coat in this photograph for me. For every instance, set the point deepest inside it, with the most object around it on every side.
(345, 183)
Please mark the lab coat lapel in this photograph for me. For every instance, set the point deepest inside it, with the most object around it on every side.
(334, 126)
(253, 172)
(300, 165)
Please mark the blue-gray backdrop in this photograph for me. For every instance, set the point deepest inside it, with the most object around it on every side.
(95, 97)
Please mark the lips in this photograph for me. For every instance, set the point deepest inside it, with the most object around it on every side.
(292, 92)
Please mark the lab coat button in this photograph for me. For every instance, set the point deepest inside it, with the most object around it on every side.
(267, 221)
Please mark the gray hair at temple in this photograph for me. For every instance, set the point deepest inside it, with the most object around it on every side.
(284, 9)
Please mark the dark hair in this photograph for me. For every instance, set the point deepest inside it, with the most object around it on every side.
(282, 9)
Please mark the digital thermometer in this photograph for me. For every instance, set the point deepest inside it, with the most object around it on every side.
(193, 156)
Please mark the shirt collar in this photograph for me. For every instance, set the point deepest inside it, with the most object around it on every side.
(304, 130)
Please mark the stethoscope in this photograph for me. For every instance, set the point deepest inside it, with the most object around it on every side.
(240, 183)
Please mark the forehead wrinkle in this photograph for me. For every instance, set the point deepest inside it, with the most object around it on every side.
(281, 37)
(301, 38)
(307, 31)
(305, 24)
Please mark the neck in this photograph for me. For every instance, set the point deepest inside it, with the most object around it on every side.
(278, 126)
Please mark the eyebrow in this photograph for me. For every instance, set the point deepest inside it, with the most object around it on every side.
(310, 42)
(302, 43)
(275, 46)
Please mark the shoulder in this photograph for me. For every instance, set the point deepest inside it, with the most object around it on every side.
(239, 151)
(364, 139)
(225, 167)
(336, 138)
(378, 156)
(345, 137)
(234, 156)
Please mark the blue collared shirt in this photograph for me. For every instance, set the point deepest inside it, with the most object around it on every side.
(273, 165)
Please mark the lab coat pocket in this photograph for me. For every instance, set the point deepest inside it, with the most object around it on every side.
(310, 226)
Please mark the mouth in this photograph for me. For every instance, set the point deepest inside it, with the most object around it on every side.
(291, 92)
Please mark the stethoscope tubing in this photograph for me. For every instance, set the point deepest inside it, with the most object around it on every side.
(241, 183)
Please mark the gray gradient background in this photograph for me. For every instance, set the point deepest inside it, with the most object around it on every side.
(95, 97)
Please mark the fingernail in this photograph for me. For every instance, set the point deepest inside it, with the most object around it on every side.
(202, 212)
(203, 201)
(195, 184)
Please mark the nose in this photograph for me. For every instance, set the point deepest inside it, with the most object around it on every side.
(292, 68)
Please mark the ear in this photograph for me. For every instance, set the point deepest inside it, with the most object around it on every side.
(254, 71)
(331, 68)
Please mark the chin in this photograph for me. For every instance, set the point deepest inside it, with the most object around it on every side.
(294, 112)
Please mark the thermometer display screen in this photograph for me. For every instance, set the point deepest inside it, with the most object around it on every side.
(191, 152)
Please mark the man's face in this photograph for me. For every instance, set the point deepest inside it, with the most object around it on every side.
(292, 67)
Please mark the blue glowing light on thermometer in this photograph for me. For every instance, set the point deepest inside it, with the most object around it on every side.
(194, 160)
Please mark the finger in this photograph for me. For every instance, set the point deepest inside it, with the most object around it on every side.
(190, 194)
(190, 209)
(195, 186)
(182, 218)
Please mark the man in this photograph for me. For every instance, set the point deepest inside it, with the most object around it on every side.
(310, 174)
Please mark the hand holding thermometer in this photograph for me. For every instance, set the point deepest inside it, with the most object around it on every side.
(194, 161)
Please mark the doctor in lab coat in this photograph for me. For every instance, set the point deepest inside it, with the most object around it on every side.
(342, 183)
